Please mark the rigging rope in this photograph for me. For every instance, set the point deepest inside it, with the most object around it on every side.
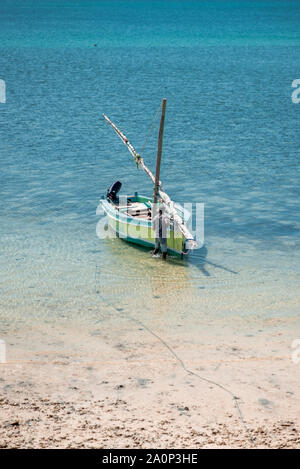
(163, 195)
(150, 129)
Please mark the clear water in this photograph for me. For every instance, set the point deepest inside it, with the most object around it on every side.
(231, 141)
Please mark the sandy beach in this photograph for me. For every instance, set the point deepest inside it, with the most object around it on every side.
(123, 388)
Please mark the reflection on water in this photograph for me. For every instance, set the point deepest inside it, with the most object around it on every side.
(135, 277)
(136, 282)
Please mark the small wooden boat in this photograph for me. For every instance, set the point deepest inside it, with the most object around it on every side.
(131, 217)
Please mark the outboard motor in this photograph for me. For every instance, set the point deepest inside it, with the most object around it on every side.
(113, 191)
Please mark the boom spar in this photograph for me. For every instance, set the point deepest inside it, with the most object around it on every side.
(164, 196)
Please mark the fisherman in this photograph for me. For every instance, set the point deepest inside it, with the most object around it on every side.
(160, 223)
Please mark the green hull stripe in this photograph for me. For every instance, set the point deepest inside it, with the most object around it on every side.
(139, 231)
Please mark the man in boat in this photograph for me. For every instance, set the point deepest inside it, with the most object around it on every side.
(160, 223)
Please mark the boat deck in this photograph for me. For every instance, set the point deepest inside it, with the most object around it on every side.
(136, 209)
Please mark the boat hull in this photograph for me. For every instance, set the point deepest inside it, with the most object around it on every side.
(138, 230)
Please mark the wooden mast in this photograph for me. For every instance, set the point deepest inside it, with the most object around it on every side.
(164, 196)
(159, 149)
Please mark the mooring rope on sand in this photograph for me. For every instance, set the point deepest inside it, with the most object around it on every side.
(193, 373)
(180, 361)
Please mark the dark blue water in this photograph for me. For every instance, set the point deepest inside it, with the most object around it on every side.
(231, 138)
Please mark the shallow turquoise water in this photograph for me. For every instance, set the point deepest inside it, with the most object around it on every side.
(231, 141)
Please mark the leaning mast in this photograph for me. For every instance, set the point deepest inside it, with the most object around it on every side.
(155, 179)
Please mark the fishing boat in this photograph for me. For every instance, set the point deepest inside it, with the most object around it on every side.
(130, 217)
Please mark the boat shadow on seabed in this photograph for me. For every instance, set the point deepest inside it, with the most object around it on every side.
(198, 259)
